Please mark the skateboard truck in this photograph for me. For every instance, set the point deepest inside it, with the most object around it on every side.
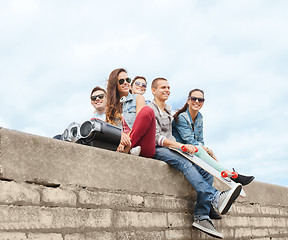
(229, 174)
(184, 149)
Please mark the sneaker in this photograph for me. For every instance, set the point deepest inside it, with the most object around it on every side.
(207, 226)
(244, 180)
(226, 198)
(214, 214)
(135, 151)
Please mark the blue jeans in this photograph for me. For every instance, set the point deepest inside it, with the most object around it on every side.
(196, 176)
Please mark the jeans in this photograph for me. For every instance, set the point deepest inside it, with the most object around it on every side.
(196, 176)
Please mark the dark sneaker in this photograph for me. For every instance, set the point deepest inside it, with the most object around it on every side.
(214, 214)
(226, 198)
(244, 180)
(207, 226)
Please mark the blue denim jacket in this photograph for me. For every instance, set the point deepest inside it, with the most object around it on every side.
(183, 129)
(129, 108)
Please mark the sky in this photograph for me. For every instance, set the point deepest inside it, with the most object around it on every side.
(53, 53)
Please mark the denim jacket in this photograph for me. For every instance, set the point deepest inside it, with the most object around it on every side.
(129, 108)
(183, 129)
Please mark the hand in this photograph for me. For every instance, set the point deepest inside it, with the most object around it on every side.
(190, 148)
(125, 140)
(210, 152)
(120, 148)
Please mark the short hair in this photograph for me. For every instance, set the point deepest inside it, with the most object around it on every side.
(156, 80)
(138, 77)
(97, 88)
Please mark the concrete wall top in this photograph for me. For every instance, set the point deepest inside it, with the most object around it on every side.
(26, 157)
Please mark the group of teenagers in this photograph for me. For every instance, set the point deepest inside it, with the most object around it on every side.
(149, 129)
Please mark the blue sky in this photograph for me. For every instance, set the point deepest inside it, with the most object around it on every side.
(54, 52)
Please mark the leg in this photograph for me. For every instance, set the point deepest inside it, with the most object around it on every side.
(196, 177)
(143, 132)
(208, 159)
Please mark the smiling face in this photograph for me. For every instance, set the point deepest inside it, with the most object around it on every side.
(193, 101)
(123, 89)
(98, 103)
(139, 86)
(161, 91)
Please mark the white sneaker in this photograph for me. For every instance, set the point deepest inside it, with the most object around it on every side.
(226, 198)
(135, 151)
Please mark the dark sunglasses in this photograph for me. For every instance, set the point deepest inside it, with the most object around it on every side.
(100, 96)
(194, 99)
(142, 84)
(121, 81)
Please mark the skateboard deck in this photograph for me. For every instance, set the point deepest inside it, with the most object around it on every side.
(207, 168)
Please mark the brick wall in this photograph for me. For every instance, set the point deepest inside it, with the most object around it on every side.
(57, 190)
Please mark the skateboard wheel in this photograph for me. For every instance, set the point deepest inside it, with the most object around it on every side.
(224, 174)
(234, 175)
(183, 148)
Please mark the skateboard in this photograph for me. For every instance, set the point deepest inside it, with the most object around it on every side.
(223, 176)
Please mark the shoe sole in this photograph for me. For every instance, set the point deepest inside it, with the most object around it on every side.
(207, 231)
(233, 194)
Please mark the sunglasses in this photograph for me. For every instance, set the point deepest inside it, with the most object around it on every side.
(100, 96)
(194, 99)
(122, 80)
(142, 84)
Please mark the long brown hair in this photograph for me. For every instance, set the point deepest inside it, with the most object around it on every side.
(184, 108)
(114, 108)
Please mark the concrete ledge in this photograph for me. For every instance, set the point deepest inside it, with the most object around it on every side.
(26, 157)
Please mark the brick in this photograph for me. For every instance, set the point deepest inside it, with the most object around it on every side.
(110, 199)
(18, 193)
(232, 221)
(75, 218)
(243, 232)
(178, 234)
(140, 235)
(260, 232)
(12, 235)
(140, 220)
(45, 236)
(270, 210)
(241, 209)
(179, 220)
(58, 197)
(75, 236)
(166, 203)
(27, 217)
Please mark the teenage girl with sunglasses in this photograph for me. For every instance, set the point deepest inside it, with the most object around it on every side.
(188, 129)
(130, 112)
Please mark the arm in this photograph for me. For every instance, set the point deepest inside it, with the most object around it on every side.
(140, 103)
(169, 143)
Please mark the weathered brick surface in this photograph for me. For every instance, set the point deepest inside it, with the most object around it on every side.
(140, 220)
(140, 235)
(58, 197)
(18, 193)
(179, 220)
(166, 202)
(178, 234)
(44, 236)
(12, 235)
(110, 199)
(53, 218)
